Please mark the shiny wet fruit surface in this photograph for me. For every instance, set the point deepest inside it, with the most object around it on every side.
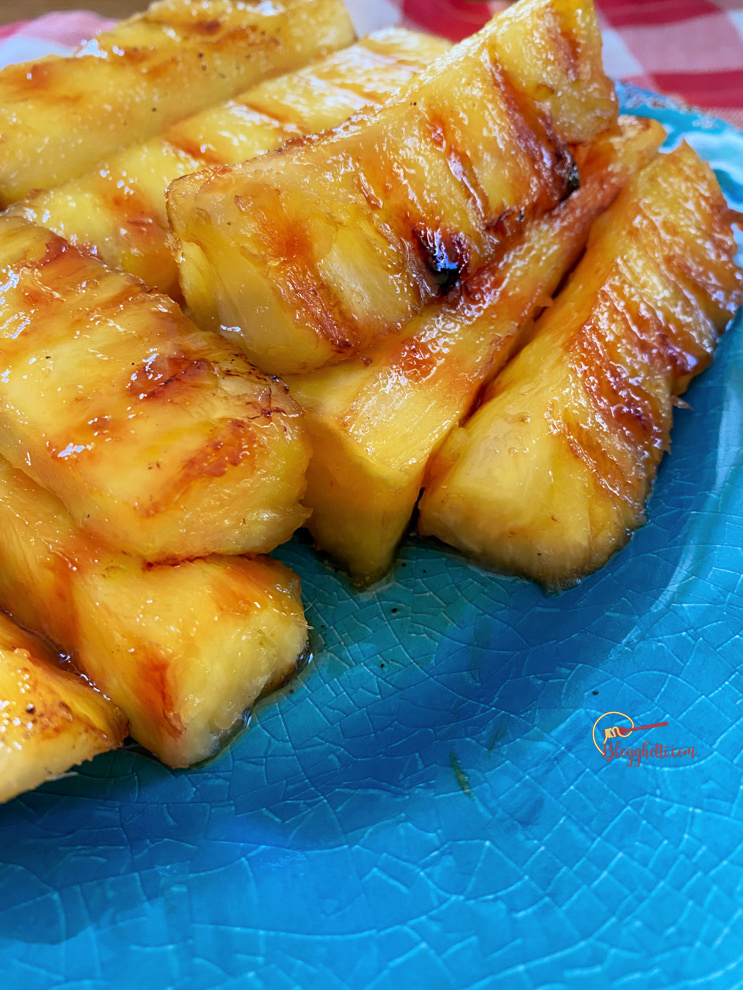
(425, 805)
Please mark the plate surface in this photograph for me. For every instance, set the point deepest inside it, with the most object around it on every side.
(424, 806)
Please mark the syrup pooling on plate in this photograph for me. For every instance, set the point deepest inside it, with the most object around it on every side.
(50, 719)
(540, 114)
(182, 649)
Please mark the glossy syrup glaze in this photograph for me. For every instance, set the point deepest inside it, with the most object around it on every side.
(117, 210)
(50, 719)
(551, 474)
(182, 649)
(338, 238)
(161, 439)
(390, 406)
(60, 116)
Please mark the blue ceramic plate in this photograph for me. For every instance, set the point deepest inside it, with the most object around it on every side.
(424, 806)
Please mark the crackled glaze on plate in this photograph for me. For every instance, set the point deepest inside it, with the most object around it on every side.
(424, 806)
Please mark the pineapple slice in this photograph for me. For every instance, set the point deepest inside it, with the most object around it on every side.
(59, 116)
(551, 474)
(306, 254)
(117, 210)
(50, 720)
(182, 649)
(159, 438)
(374, 420)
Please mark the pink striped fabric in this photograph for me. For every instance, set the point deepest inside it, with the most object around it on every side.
(691, 49)
(68, 28)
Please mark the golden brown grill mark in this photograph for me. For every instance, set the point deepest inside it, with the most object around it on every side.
(298, 279)
(457, 160)
(131, 210)
(597, 383)
(130, 83)
(285, 119)
(415, 361)
(446, 254)
(154, 691)
(230, 592)
(534, 136)
(68, 321)
(231, 444)
(563, 44)
(224, 451)
(581, 442)
(38, 78)
(622, 432)
(134, 56)
(300, 284)
(603, 353)
(207, 27)
(201, 151)
(246, 36)
(699, 280)
(48, 284)
(165, 377)
(630, 358)
(507, 226)
(55, 248)
(417, 222)
(61, 264)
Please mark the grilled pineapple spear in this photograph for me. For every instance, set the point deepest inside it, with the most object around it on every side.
(59, 116)
(551, 474)
(50, 720)
(160, 439)
(182, 649)
(117, 210)
(375, 419)
(308, 253)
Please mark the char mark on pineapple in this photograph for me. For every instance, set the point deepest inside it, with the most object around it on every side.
(416, 361)
(533, 131)
(507, 226)
(207, 27)
(153, 685)
(445, 256)
(567, 168)
(565, 47)
(160, 375)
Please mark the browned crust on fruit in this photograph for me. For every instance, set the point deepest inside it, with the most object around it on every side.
(153, 690)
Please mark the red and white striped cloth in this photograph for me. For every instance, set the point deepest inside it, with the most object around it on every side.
(692, 49)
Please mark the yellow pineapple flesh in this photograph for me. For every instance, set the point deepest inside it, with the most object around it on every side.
(551, 475)
(50, 719)
(59, 116)
(161, 439)
(117, 210)
(375, 419)
(306, 254)
(184, 650)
